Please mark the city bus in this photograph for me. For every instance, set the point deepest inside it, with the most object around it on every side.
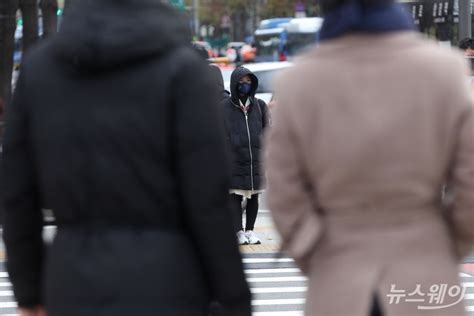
(281, 39)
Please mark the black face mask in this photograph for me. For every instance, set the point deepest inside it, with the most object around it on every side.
(244, 88)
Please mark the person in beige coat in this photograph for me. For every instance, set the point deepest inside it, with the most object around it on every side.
(371, 125)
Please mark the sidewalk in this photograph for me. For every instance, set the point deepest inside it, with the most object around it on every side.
(265, 230)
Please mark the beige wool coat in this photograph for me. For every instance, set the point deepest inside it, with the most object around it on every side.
(366, 131)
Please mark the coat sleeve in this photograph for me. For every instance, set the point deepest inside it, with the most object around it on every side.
(266, 118)
(290, 199)
(22, 217)
(223, 104)
(202, 166)
(462, 185)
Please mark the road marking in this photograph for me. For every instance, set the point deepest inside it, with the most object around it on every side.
(257, 279)
(279, 279)
(286, 301)
(469, 297)
(8, 305)
(282, 270)
(292, 313)
(266, 260)
(264, 290)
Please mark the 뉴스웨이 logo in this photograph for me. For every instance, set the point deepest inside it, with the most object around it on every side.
(436, 296)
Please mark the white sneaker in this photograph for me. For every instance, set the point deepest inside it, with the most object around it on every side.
(253, 240)
(242, 238)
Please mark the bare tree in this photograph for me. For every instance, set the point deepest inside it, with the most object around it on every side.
(29, 13)
(8, 9)
(239, 14)
(49, 9)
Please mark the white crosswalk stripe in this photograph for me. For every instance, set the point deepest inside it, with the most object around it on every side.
(301, 289)
(290, 313)
(277, 279)
(7, 305)
(277, 287)
(262, 271)
(266, 260)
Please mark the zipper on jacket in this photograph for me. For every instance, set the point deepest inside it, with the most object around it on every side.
(250, 149)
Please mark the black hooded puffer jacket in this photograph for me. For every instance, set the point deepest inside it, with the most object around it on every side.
(110, 129)
(244, 134)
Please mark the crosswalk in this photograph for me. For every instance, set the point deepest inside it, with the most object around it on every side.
(7, 302)
(277, 287)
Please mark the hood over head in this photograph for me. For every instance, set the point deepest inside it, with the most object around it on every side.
(237, 74)
(101, 34)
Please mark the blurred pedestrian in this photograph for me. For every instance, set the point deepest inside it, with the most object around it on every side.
(467, 45)
(246, 119)
(234, 56)
(107, 130)
(214, 72)
(368, 129)
(201, 51)
(248, 53)
(217, 78)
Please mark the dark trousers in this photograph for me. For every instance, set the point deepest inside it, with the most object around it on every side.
(251, 211)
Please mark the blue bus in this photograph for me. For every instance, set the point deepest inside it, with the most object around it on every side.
(280, 39)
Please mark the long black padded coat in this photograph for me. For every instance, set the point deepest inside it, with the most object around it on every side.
(115, 126)
(244, 134)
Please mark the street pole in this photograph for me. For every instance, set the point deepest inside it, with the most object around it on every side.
(196, 17)
(464, 19)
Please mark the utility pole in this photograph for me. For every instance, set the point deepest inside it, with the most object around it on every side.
(196, 17)
(464, 18)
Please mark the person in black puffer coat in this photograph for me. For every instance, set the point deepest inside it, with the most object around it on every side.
(246, 119)
(109, 129)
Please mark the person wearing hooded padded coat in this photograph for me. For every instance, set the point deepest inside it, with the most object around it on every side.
(107, 131)
(246, 118)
